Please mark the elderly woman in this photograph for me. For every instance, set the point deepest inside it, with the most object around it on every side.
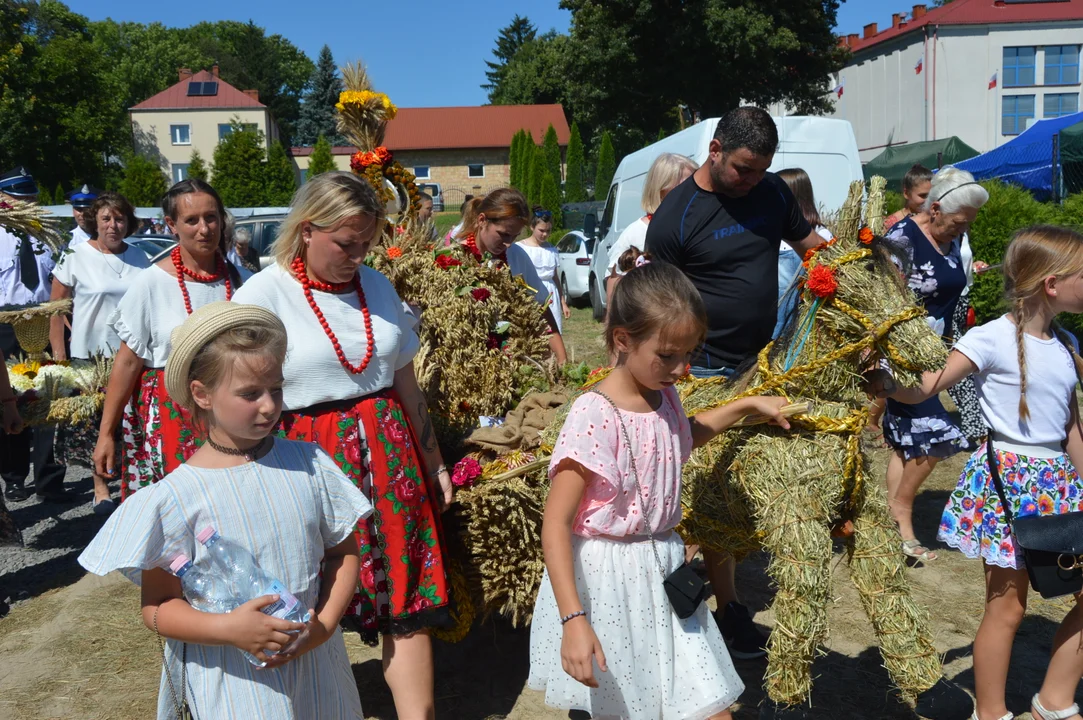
(96, 274)
(241, 254)
(350, 387)
(156, 432)
(921, 435)
(667, 172)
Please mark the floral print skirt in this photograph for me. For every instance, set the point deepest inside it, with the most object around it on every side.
(934, 435)
(973, 521)
(157, 434)
(403, 586)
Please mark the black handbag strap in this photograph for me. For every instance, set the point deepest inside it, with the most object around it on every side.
(994, 471)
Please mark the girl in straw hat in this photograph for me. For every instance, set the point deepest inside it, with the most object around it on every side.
(350, 387)
(157, 436)
(1027, 392)
(287, 502)
(605, 637)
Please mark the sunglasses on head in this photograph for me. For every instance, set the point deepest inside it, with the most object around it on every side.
(543, 214)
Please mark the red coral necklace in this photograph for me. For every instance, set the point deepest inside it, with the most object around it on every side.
(220, 272)
(307, 283)
(470, 242)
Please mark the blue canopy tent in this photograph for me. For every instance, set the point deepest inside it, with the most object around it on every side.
(1032, 160)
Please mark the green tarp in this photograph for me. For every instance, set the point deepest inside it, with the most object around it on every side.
(893, 163)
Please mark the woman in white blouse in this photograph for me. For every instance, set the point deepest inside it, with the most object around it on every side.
(546, 262)
(157, 434)
(350, 387)
(96, 274)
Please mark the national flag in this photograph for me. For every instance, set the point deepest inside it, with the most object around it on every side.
(917, 67)
(839, 88)
(993, 81)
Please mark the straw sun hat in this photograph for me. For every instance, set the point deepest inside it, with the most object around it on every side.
(202, 326)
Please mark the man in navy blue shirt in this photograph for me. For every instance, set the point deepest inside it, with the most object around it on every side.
(723, 228)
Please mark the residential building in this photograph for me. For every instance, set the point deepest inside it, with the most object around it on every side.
(464, 149)
(194, 114)
(981, 70)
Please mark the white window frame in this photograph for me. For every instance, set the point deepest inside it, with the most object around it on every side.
(173, 135)
(475, 177)
(177, 166)
(426, 176)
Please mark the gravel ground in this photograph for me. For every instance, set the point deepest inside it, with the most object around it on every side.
(55, 534)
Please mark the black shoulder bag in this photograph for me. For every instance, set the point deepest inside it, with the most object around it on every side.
(684, 588)
(1052, 545)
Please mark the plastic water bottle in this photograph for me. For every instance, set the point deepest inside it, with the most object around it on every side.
(205, 591)
(248, 580)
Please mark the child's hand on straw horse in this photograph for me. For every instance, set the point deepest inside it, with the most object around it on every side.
(880, 383)
(578, 649)
(765, 409)
(253, 631)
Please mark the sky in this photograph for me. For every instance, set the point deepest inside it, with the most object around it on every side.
(423, 53)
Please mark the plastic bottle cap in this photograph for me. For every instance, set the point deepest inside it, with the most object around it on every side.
(205, 534)
(178, 562)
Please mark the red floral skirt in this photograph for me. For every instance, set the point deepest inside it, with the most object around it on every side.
(157, 434)
(403, 586)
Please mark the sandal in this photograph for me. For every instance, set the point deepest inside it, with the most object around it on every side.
(910, 549)
(1040, 713)
(1009, 716)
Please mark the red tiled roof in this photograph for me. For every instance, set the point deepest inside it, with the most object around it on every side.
(979, 12)
(176, 97)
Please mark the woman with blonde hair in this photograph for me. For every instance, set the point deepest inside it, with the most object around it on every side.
(929, 247)
(350, 387)
(667, 172)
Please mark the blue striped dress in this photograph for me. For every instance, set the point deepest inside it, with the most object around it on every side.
(287, 508)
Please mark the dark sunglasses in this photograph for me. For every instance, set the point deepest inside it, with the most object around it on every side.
(543, 214)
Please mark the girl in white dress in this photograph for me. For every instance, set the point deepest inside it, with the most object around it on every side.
(97, 273)
(605, 638)
(284, 501)
(546, 262)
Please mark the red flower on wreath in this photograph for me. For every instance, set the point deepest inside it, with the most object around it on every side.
(821, 281)
(865, 236)
(481, 294)
(394, 252)
(446, 261)
(382, 155)
(466, 472)
(493, 341)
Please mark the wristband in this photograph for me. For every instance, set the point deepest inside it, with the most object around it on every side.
(436, 473)
(564, 620)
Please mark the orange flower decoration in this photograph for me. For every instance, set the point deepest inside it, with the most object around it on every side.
(865, 236)
(821, 281)
(394, 252)
(382, 155)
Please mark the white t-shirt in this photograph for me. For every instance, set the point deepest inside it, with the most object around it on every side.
(153, 307)
(635, 235)
(312, 371)
(78, 237)
(98, 282)
(520, 264)
(1051, 379)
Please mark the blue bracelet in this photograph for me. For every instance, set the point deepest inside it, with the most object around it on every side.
(564, 620)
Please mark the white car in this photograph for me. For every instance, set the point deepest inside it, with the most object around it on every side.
(575, 251)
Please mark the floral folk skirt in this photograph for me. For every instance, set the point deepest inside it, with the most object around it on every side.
(403, 585)
(933, 435)
(973, 520)
(158, 434)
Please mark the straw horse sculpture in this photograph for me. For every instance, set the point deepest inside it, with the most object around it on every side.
(789, 492)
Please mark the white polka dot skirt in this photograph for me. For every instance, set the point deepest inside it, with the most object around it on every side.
(660, 667)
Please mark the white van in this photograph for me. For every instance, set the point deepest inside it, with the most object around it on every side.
(824, 148)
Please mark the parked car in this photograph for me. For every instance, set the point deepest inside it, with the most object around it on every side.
(155, 246)
(437, 196)
(264, 229)
(575, 249)
(824, 147)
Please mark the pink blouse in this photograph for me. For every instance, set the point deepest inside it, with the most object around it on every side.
(662, 442)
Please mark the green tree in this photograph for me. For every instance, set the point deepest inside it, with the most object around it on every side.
(280, 181)
(573, 184)
(549, 198)
(321, 160)
(625, 72)
(197, 169)
(321, 94)
(238, 167)
(661, 135)
(535, 75)
(143, 182)
(607, 166)
(537, 175)
(551, 147)
(526, 159)
(511, 38)
(515, 163)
